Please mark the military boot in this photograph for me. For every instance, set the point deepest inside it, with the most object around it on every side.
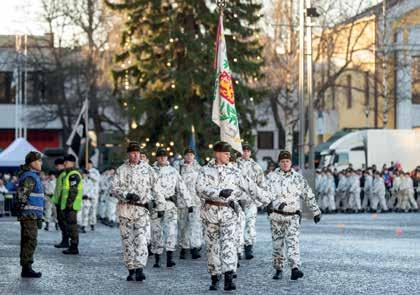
(157, 261)
(214, 283)
(169, 259)
(64, 243)
(82, 230)
(46, 226)
(92, 228)
(140, 275)
(130, 276)
(229, 284)
(278, 275)
(183, 253)
(28, 272)
(195, 253)
(248, 252)
(72, 250)
(296, 274)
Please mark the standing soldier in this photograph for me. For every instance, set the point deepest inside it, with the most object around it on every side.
(288, 188)
(50, 214)
(95, 177)
(378, 193)
(341, 191)
(87, 200)
(189, 224)
(395, 192)
(71, 202)
(367, 190)
(56, 200)
(104, 188)
(134, 186)
(219, 184)
(330, 192)
(251, 169)
(354, 192)
(30, 201)
(410, 192)
(177, 196)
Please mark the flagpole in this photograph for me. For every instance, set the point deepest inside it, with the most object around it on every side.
(86, 132)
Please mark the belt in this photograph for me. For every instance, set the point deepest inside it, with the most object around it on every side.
(138, 205)
(217, 203)
(285, 213)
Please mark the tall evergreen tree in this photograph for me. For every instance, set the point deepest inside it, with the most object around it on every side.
(165, 73)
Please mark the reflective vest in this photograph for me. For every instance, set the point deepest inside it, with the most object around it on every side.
(77, 204)
(56, 199)
(35, 203)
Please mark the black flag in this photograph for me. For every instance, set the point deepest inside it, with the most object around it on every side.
(78, 136)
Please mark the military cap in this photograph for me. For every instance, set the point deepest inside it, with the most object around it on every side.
(246, 146)
(284, 155)
(69, 158)
(161, 152)
(133, 146)
(189, 150)
(222, 146)
(59, 161)
(32, 157)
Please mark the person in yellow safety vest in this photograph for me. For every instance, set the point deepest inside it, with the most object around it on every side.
(56, 200)
(71, 202)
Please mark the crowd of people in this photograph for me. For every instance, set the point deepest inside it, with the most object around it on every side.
(162, 206)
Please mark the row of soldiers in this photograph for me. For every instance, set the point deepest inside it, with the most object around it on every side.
(349, 195)
(160, 207)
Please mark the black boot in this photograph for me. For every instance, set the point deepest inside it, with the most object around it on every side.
(56, 226)
(238, 265)
(229, 285)
(214, 283)
(64, 243)
(195, 253)
(296, 274)
(130, 276)
(28, 272)
(182, 253)
(140, 275)
(92, 228)
(157, 261)
(46, 226)
(169, 260)
(278, 275)
(72, 250)
(248, 252)
(82, 230)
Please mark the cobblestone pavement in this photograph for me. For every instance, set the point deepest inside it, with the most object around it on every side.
(344, 254)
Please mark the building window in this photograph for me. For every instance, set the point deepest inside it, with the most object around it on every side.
(266, 140)
(6, 93)
(349, 92)
(415, 81)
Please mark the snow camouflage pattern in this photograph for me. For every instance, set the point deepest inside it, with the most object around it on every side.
(290, 188)
(105, 186)
(171, 184)
(378, 194)
(341, 193)
(251, 169)
(50, 213)
(134, 220)
(221, 221)
(89, 190)
(95, 176)
(354, 192)
(190, 231)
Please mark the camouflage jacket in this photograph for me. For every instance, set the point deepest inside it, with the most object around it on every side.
(189, 173)
(89, 189)
(137, 179)
(213, 178)
(290, 188)
(172, 185)
(378, 186)
(251, 169)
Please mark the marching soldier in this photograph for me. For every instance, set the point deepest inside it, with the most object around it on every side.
(189, 224)
(251, 169)
(50, 213)
(95, 177)
(135, 186)
(177, 196)
(56, 200)
(219, 185)
(71, 202)
(378, 193)
(87, 200)
(367, 190)
(30, 201)
(341, 192)
(288, 187)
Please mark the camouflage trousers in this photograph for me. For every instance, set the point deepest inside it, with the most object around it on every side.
(83, 214)
(220, 234)
(102, 206)
(376, 199)
(70, 216)
(393, 200)
(164, 231)
(285, 230)
(341, 201)
(93, 210)
(134, 241)
(28, 241)
(250, 222)
(240, 228)
(328, 201)
(111, 209)
(61, 223)
(190, 229)
(354, 201)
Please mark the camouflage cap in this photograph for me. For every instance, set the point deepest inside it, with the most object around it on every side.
(189, 150)
(222, 146)
(32, 156)
(133, 146)
(284, 155)
(246, 146)
(161, 152)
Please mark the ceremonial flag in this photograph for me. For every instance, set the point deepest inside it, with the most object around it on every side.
(224, 111)
(78, 136)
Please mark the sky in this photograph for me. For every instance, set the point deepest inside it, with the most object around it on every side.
(20, 16)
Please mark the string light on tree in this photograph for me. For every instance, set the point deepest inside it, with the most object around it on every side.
(210, 146)
(134, 125)
(147, 139)
(235, 60)
(173, 85)
(171, 143)
(157, 144)
(176, 107)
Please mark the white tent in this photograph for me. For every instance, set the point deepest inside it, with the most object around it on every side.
(14, 154)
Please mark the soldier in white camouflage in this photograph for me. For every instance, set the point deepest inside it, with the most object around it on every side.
(135, 187)
(87, 201)
(176, 194)
(190, 231)
(288, 188)
(220, 184)
(251, 169)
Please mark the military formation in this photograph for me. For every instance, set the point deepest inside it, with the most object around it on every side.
(370, 190)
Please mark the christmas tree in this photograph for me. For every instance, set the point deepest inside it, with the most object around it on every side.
(165, 75)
